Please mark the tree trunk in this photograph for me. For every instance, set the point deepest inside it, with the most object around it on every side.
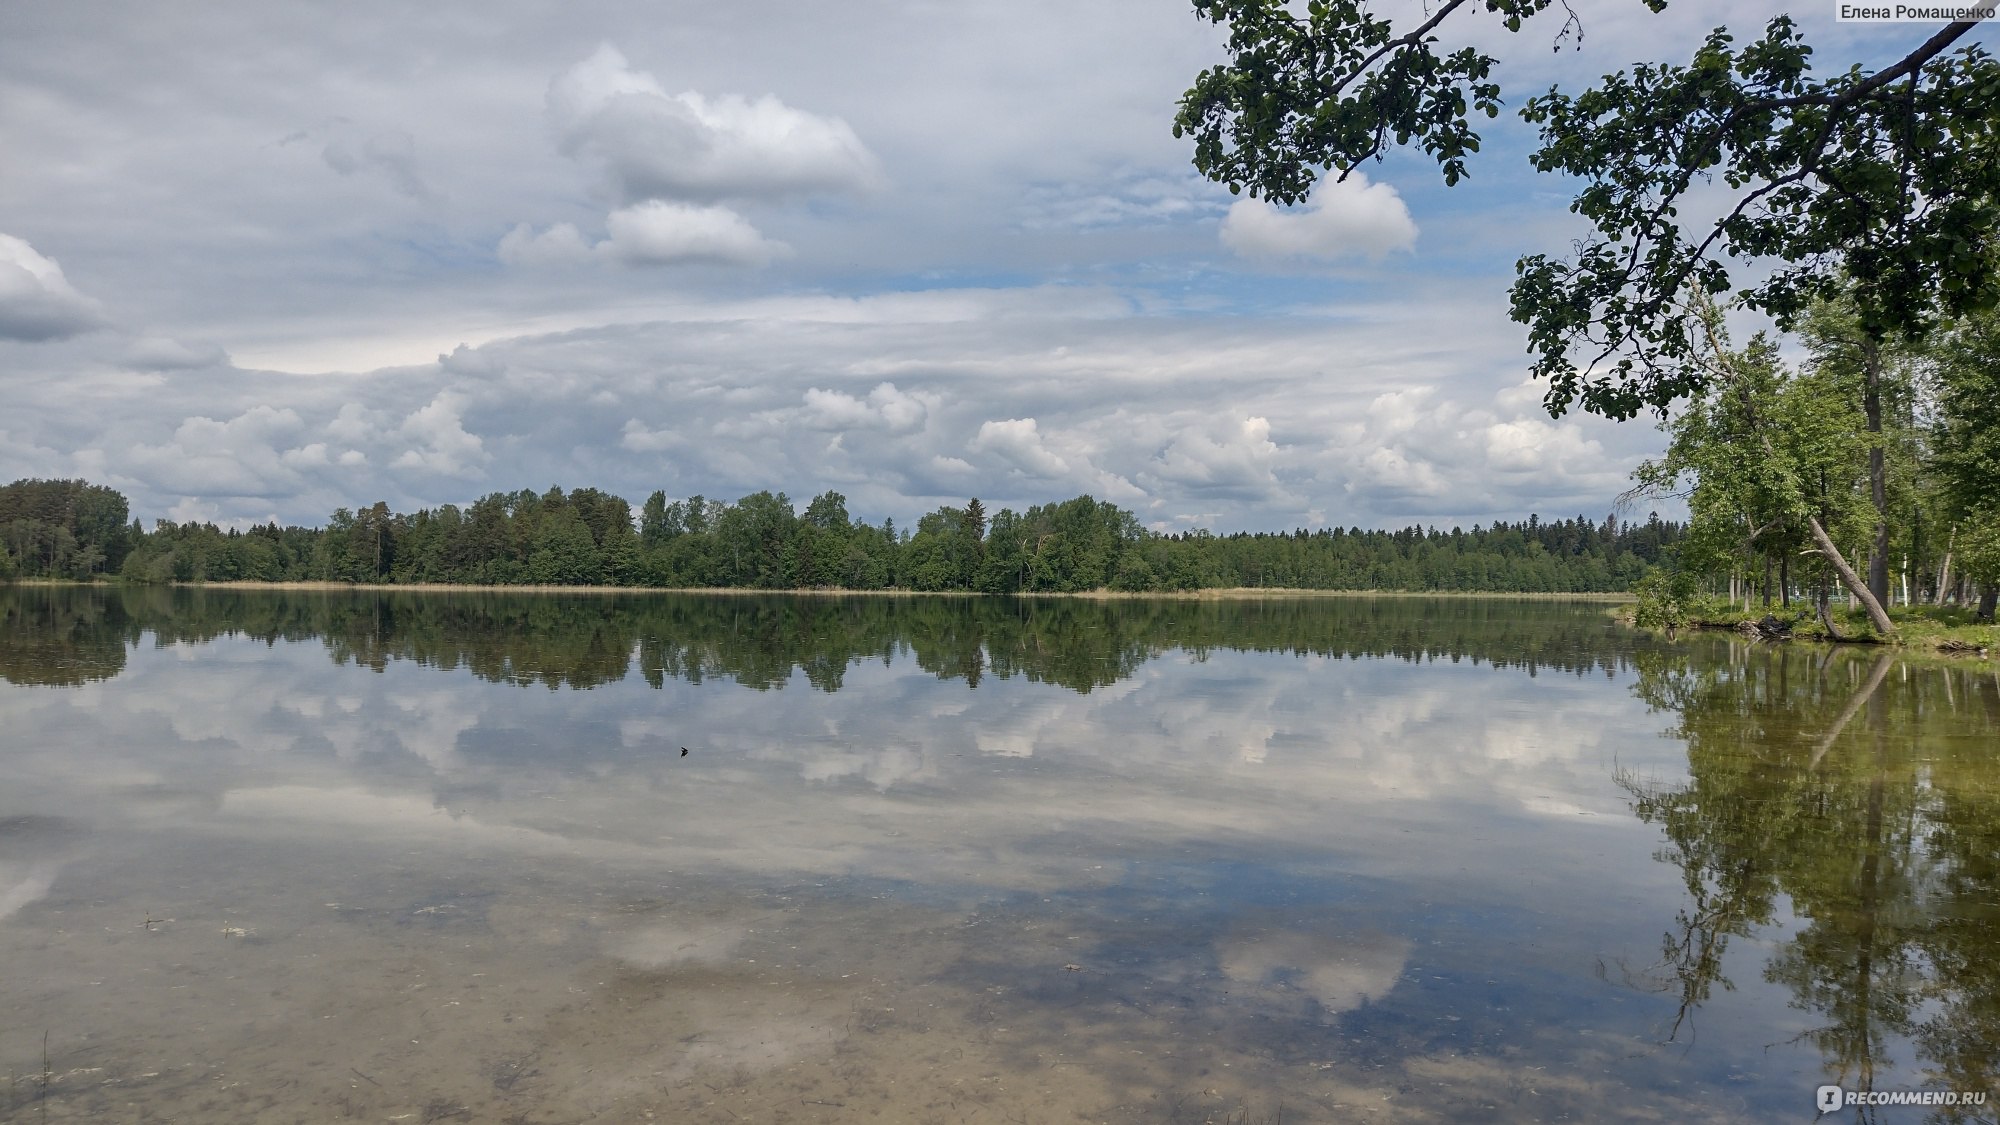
(1876, 614)
(1878, 473)
(1988, 595)
(1944, 571)
(1854, 703)
(1825, 615)
(1785, 582)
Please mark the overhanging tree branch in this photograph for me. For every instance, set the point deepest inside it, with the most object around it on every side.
(1890, 178)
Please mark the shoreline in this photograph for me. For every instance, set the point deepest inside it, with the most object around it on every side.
(1929, 639)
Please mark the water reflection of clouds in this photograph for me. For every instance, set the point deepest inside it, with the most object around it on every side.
(431, 724)
(23, 883)
(33, 849)
(1338, 972)
(1194, 797)
(1244, 746)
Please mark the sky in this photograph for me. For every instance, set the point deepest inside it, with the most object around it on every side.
(264, 260)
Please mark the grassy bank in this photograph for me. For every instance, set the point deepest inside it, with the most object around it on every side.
(1950, 630)
(1249, 592)
(476, 588)
(38, 580)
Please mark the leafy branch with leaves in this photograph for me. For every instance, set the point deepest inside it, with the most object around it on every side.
(1885, 180)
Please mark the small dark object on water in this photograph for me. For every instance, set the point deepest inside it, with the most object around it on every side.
(684, 751)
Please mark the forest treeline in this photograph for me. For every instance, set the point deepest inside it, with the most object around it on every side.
(586, 537)
(63, 528)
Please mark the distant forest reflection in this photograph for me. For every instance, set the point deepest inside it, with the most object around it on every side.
(58, 636)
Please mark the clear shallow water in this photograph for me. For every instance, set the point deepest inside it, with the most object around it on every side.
(322, 857)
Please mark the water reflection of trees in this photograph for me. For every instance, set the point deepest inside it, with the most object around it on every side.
(1864, 792)
(764, 641)
(50, 638)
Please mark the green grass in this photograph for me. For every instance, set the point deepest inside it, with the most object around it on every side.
(1938, 628)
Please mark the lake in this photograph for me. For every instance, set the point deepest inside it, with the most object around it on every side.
(441, 857)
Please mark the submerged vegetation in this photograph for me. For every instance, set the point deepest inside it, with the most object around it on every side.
(586, 537)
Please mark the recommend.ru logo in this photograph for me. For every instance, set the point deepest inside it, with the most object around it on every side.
(1831, 1098)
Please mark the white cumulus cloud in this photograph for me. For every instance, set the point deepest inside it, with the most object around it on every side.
(309, 456)
(36, 300)
(1531, 445)
(239, 456)
(653, 233)
(671, 160)
(1394, 472)
(1224, 457)
(1349, 218)
(639, 439)
(444, 446)
(660, 233)
(1018, 442)
(885, 408)
(688, 146)
(561, 244)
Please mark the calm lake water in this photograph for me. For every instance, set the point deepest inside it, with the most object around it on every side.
(315, 857)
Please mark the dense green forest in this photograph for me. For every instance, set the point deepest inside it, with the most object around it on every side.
(65, 528)
(1869, 467)
(586, 537)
